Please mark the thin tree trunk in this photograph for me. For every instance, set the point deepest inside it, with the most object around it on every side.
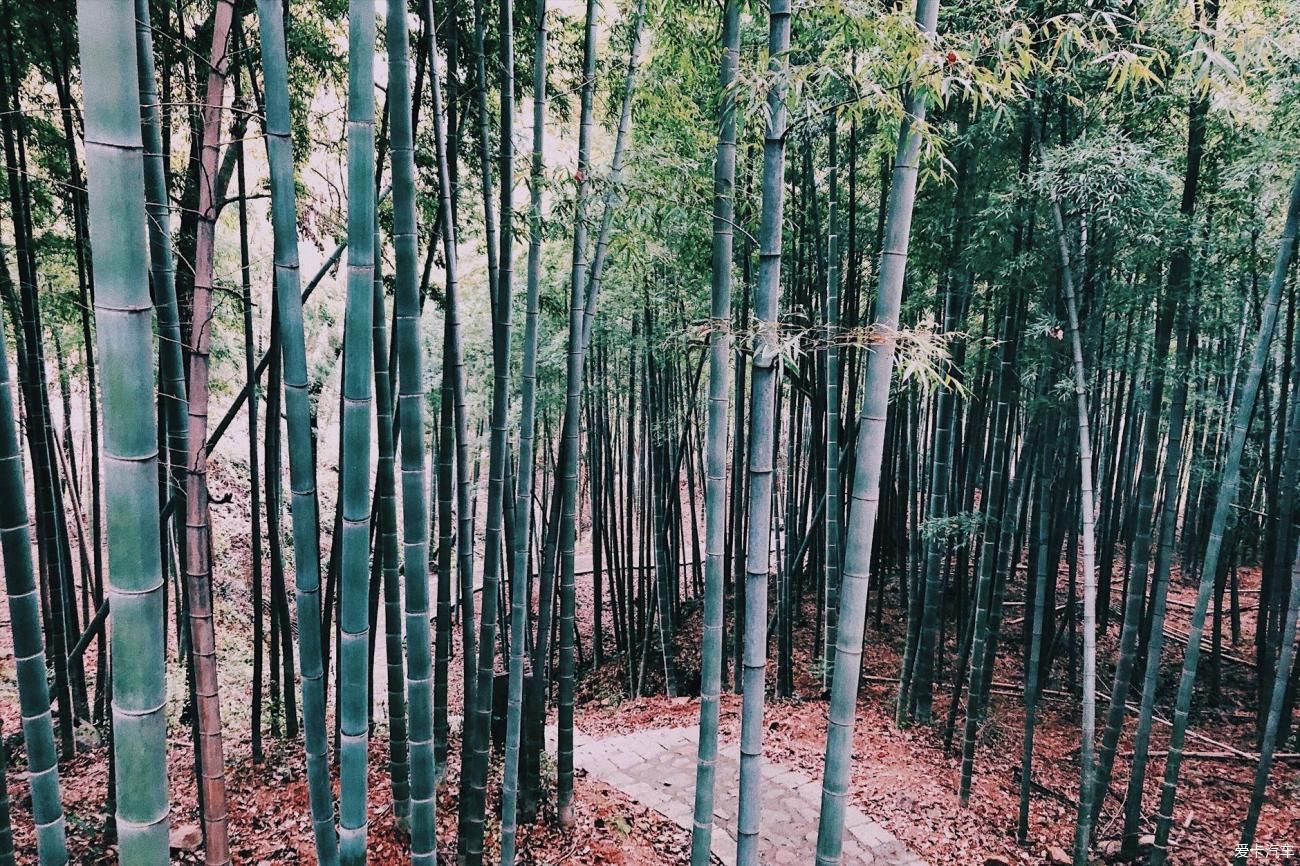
(198, 544)
(254, 476)
(477, 727)
(523, 493)
(1087, 512)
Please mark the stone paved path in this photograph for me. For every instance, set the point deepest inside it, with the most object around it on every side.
(657, 769)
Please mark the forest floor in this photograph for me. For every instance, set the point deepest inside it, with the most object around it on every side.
(902, 777)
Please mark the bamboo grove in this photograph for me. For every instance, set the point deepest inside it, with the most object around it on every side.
(385, 384)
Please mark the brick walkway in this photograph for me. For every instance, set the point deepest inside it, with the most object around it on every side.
(657, 769)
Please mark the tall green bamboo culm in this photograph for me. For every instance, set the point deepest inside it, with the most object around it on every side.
(466, 482)
(523, 494)
(860, 530)
(491, 242)
(1286, 648)
(124, 338)
(916, 696)
(1177, 288)
(1042, 565)
(988, 585)
(410, 407)
(477, 728)
(1087, 517)
(304, 505)
(1133, 814)
(454, 413)
(613, 181)
(162, 264)
(568, 471)
(386, 552)
(354, 474)
(1223, 505)
(834, 501)
(766, 361)
(28, 637)
(715, 486)
(581, 323)
(443, 482)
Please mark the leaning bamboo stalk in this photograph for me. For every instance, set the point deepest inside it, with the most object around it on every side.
(302, 470)
(28, 637)
(859, 531)
(1223, 505)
